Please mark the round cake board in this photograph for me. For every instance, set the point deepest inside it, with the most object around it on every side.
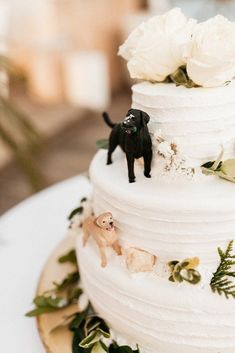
(59, 340)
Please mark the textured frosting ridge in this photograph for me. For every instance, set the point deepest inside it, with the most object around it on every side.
(199, 119)
(162, 317)
(170, 220)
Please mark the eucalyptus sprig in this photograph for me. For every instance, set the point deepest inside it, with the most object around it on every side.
(184, 271)
(222, 169)
(220, 282)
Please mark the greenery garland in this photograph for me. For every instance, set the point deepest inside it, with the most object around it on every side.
(91, 333)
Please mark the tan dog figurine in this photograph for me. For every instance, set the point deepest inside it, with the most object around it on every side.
(102, 230)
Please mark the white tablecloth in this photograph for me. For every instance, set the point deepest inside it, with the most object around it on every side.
(28, 234)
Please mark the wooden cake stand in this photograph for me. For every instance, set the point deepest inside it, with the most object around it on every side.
(60, 340)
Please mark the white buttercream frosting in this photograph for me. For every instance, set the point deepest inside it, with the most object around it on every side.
(171, 220)
(160, 316)
(199, 119)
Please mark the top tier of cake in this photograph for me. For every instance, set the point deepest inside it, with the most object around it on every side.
(199, 120)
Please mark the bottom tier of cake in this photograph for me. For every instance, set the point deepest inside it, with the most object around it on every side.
(158, 315)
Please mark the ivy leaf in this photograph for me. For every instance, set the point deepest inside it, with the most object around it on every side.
(102, 144)
(39, 311)
(70, 257)
(77, 210)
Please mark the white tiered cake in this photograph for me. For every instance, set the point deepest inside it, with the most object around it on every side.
(172, 217)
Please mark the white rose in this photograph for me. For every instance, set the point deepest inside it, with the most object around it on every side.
(159, 46)
(211, 60)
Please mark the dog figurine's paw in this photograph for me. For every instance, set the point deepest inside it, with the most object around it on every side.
(147, 175)
(109, 162)
(131, 180)
(103, 263)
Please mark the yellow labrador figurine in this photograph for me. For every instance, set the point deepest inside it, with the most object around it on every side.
(102, 230)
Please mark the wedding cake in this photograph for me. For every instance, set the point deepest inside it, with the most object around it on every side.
(171, 290)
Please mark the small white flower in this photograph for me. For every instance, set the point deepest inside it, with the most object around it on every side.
(211, 60)
(165, 149)
(159, 46)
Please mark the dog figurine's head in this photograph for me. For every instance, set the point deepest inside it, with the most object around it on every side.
(134, 120)
(105, 221)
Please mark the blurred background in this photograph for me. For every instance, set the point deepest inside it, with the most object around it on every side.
(59, 70)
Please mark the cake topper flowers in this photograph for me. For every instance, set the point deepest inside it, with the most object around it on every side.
(172, 48)
(175, 164)
(158, 47)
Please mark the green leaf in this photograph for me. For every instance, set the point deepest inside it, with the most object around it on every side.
(172, 264)
(77, 337)
(91, 339)
(181, 78)
(192, 276)
(177, 273)
(70, 257)
(71, 279)
(226, 177)
(99, 347)
(102, 144)
(77, 321)
(40, 311)
(78, 210)
(114, 348)
(95, 322)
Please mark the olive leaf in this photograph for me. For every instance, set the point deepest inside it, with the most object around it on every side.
(47, 304)
(78, 210)
(70, 257)
(102, 144)
(71, 279)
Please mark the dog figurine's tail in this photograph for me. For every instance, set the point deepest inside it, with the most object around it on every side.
(108, 120)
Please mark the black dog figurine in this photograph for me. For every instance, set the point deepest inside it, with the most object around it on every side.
(133, 137)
